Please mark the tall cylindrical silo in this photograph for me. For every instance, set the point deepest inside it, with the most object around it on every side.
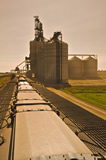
(36, 53)
(90, 67)
(75, 68)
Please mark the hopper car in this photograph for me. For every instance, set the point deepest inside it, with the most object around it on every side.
(38, 133)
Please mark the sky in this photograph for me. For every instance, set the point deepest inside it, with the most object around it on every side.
(82, 23)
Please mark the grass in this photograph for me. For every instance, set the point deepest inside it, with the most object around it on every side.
(95, 95)
(4, 80)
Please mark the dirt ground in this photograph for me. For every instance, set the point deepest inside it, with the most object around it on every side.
(86, 82)
(90, 82)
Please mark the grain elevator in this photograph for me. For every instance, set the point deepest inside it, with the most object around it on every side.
(48, 58)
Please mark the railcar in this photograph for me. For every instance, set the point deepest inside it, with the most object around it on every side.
(39, 133)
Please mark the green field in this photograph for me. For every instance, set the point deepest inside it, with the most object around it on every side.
(4, 80)
(95, 95)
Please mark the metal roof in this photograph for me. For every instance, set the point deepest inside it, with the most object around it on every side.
(25, 87)
(44, 134)
(28, 95)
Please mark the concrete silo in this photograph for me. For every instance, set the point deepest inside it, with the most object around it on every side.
(75, 68)
(90, 67)
(50, 62)
(36, 54)
(55, 62)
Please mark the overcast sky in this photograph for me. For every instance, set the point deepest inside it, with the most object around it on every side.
(82, 23)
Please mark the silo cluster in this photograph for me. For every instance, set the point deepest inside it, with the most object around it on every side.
(82, 68)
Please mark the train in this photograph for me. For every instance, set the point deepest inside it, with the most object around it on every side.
(38, 133)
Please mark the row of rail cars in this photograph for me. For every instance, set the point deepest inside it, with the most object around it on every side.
(38, 133)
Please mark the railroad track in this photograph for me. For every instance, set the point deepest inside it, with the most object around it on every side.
(5, 98)
(93, 126)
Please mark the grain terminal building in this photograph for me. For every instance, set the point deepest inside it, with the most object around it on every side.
(48, 59)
